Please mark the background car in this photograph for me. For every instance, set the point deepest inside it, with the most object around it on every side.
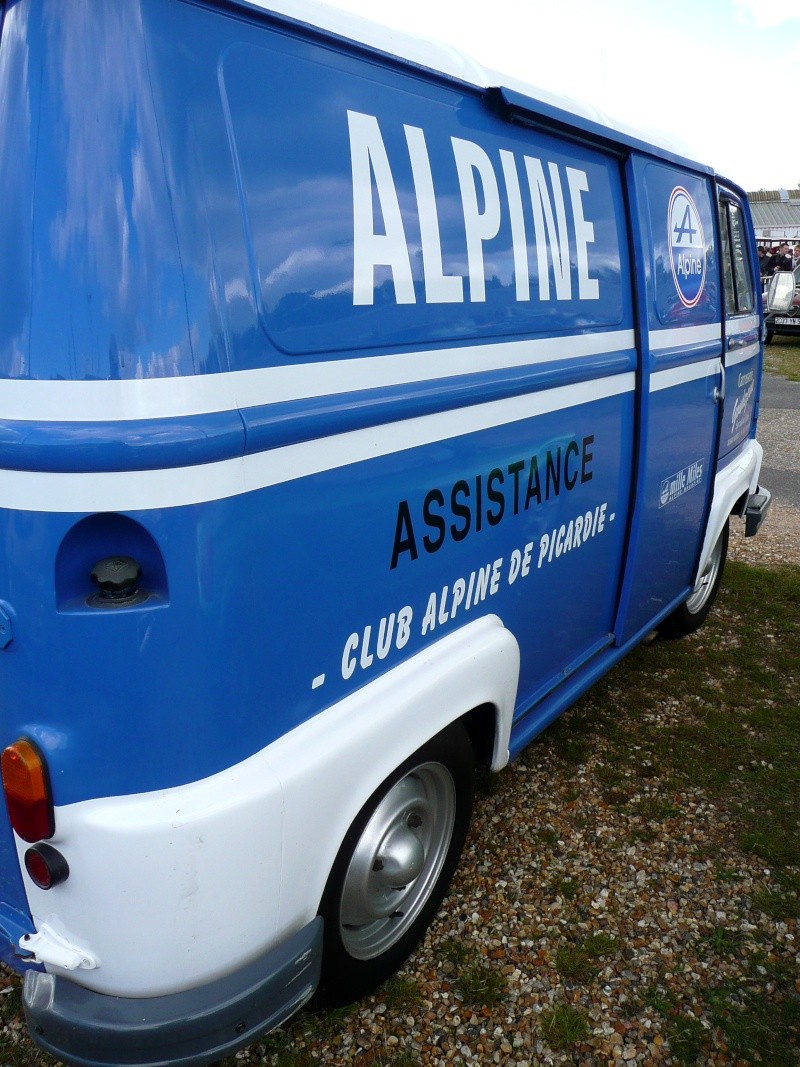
(782, 308)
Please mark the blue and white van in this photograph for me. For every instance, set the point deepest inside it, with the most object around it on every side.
(359, 409)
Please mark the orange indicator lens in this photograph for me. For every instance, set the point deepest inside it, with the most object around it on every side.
(27, 790)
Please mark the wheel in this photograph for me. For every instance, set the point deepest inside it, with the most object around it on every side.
(768, 335)
(394, 867)
(691, 615)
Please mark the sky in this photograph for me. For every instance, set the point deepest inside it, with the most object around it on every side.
(720, 76)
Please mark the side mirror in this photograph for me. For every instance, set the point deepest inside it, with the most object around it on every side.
(781, 291)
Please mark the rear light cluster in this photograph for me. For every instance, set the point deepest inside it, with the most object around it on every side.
(27, 788)
(29, 799)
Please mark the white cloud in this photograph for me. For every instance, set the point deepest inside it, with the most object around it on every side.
(768, 13)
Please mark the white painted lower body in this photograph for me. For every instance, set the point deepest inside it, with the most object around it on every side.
(171, 889)
(735, 479)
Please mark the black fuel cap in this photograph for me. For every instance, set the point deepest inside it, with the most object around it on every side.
(117, 578)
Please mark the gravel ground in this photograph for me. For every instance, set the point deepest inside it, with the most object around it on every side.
(777, 432)
(569, 912)
(777, 542)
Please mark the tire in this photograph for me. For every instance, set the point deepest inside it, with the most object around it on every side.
(768, 335)
(394, 868)
(691, 615)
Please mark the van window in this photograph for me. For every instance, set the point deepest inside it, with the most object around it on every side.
(398, 212)
(727, 262)
(737, 278)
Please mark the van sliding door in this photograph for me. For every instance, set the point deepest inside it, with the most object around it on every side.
(682, 387)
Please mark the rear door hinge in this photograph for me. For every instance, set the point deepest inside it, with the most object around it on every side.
(47, 946)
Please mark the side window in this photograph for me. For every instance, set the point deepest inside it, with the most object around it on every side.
(737, 277)
(727, 262)
(741, 265)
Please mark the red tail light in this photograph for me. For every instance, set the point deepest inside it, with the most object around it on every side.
(27, 788)
(46, 866)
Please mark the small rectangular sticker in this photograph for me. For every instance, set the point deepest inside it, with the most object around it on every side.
(681, 482)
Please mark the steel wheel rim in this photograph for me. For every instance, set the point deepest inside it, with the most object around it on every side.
(397, 861)
(702, 591)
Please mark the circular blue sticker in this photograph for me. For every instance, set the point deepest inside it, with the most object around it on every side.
(687, 247)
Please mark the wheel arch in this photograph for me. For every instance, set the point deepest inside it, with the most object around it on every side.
(734, 483)
(335, 763)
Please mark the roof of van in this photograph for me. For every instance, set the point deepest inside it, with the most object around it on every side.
(440, 57)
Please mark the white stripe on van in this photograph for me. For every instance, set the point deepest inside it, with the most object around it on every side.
(202, 394)
(743, 325)
(690, 372)
(676, 336)
(202, 483)
(739, 355)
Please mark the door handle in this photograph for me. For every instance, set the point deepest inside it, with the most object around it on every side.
(737, 342)
(719, 390)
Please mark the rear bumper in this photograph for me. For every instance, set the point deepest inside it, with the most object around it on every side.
(197, 1026)
(756, 510)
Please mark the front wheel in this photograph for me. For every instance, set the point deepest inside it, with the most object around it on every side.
(394, 867)
(691, 615)
(768, 335)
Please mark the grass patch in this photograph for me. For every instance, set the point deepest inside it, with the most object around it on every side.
(400, 991)
(10, 1003)
(735, 732)
(566, 888)
(783, 357)
(686, 1039)
(579, 962)
(569, 738)
(476, 982)
(724, 941)
(480, 985)
(609, 775)
(655, 999)
(781, 906)
(563, 1026)
(279, 1048)
(655, 809)
(455, 951)
(293, 1044)
(771, 844)
(758, 1028)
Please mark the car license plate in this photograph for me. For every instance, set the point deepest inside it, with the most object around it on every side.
(787, 322)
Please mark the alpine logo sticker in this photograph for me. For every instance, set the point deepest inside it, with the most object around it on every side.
(681, 482)
(687, 247)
